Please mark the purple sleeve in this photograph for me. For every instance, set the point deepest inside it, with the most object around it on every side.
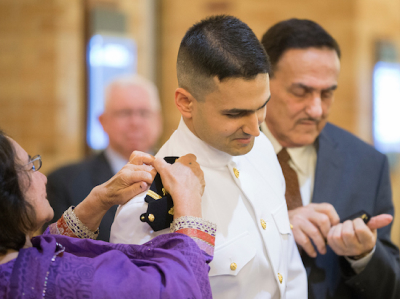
(169, 266)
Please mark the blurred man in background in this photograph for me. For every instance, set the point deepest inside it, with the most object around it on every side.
(132, 121)
(330, 174)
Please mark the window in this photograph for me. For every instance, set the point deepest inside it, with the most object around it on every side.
(108, 57)
(386, 107)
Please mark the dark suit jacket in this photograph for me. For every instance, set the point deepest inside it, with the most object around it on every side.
(351, 175)
(71, 184)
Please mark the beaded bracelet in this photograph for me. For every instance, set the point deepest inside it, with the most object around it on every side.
(201, 231)
(77, 227)
(193, 222)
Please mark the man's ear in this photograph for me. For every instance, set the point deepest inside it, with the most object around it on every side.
(184, 102)
(102, 120)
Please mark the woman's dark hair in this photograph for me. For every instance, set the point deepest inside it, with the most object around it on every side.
(16, 214)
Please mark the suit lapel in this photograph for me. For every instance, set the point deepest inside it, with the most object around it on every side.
(328, 170)
(101, 170)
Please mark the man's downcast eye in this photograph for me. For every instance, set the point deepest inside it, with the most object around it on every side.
(327, 94)
(299, 92)
(234, 115)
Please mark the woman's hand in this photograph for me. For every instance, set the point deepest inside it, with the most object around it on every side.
(184, 180)
(133, 179)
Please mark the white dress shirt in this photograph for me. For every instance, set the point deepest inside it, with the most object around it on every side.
(255, 253)
(116, 160)
(304, 161)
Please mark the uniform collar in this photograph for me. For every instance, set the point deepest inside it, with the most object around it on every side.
(206, 154)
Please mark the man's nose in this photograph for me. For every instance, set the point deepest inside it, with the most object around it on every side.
(314, 106)
(135, 119)
(252, 124)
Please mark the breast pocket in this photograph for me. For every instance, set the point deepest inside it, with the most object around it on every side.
(281, 219)
(233, 255)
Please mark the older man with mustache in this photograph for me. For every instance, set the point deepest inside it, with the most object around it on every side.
(333, 179)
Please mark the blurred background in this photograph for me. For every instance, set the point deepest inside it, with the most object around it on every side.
(57, 55)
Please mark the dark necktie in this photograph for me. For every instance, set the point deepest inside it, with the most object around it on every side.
(293, 196)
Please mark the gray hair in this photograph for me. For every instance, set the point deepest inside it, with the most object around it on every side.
(134, 80)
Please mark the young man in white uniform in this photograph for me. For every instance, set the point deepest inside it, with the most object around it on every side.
(223, 91)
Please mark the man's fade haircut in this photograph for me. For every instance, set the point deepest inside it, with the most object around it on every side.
(219, 46)
(295, 34)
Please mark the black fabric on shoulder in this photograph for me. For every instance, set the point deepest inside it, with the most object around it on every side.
(160, 210)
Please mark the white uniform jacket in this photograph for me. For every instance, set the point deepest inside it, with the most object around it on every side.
(255, 253)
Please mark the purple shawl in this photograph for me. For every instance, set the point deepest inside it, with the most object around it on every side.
(169, 266)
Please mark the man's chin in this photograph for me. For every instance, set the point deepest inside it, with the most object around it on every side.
(241, 149)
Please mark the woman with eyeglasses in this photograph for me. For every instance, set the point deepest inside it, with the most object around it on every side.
(65, 262)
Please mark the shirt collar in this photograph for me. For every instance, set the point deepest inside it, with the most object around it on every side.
(116, 160)
(299, 155)
(206, 154)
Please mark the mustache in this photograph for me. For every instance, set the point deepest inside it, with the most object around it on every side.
(316, 120)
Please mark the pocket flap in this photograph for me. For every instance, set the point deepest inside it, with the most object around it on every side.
(281, 218)
(233, 255)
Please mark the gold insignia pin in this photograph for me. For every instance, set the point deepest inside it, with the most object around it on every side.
(280, 277)
(236, 172)
(263, 224)
(171, 211)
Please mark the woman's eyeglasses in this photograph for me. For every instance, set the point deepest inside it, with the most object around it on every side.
(36, 162)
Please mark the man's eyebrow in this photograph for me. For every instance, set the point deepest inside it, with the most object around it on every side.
(266, 102)
(237, 110)
(309, 88)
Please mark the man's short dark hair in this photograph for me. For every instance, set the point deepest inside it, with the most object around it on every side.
(219, 46)
(296, 34)
(16, 214)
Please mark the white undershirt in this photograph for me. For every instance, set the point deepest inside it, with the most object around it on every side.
(116, 160)
(304, 161)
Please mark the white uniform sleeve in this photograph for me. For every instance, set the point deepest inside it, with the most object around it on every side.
(127, 227)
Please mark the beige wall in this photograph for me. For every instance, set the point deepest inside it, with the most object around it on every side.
(41, 63)
(42, 71)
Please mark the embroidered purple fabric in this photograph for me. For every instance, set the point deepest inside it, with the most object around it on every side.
(169, 266)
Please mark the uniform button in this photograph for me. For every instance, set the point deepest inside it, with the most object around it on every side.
(236, 172)
(151, 217)
(233, 266)
(263, 224)
(280, 277)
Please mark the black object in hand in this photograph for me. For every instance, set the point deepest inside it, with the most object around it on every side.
(160, 209)
(360, 214)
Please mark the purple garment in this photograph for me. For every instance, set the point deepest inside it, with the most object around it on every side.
(169, 266)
